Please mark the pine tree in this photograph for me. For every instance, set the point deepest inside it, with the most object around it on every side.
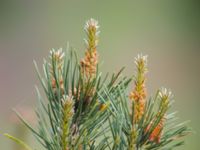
(84, 110)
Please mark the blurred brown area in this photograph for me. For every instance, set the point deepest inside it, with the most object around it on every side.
(168, 31)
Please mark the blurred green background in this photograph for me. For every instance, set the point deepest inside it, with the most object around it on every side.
(167, 30)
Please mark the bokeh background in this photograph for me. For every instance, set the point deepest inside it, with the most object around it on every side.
(167, 30)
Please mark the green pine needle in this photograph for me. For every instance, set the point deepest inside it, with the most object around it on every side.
(18, 141)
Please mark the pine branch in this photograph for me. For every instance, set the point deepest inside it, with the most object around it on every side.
(83, 110)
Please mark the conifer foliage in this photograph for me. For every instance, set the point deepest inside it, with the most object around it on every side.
(85, 110)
